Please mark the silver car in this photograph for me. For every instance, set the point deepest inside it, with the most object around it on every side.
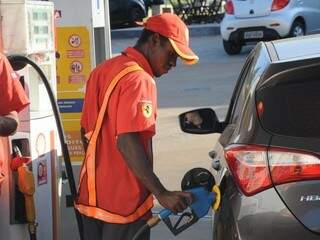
(250, 21)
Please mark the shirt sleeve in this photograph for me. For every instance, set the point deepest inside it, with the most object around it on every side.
(136, 110)
(13, 96)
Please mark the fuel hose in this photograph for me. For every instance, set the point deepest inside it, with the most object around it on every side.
(148, 225)
(140, 231)
(21, 61)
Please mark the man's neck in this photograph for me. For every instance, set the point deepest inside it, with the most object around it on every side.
(143, 50)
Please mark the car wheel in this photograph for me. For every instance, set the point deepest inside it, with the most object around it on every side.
(297, 29)
(232, 47)
(136, 15)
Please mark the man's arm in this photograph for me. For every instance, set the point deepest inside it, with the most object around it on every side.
(134, 155)
(8, 124)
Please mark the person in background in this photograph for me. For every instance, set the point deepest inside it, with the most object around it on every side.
(117, 180)
(12, 100)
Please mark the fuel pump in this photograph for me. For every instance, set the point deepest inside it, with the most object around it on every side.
(21, 60)
(28, 30)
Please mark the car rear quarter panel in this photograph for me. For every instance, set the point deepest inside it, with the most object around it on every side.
(264, 216)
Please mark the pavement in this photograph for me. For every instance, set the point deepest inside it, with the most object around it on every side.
(195, 30)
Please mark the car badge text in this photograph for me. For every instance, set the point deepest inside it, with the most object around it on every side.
(310, 198)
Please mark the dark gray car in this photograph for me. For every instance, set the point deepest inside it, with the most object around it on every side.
(267, 158)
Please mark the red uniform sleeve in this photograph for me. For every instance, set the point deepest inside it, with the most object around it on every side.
(12, 94)
(137, 105)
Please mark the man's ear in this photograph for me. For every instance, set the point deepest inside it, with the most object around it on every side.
(155, 39)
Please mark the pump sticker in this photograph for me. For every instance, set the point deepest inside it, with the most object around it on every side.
(41, 147)
(42, 172)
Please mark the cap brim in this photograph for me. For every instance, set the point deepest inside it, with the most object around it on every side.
(184, 52)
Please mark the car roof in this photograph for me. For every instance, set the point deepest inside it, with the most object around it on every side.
(297, 48)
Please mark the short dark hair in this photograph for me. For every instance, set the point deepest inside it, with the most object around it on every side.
(145, 36)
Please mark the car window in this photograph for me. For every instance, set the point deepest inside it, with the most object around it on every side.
(237, 88)
(254, 70)
(291, 103)
(242, 90)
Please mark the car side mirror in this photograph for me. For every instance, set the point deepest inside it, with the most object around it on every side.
(200, 121)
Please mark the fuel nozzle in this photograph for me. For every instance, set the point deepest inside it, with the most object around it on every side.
(17, 159)
(16, 151)
(205, 193)
(26, 186)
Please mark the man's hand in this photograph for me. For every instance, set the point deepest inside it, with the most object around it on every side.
(175, 201)
(9, 124)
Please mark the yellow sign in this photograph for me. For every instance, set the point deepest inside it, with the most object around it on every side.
(73, 69)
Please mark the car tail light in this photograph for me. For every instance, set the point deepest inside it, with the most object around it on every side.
(291, 166)
(279, 4)
(249, 166)
(228, 7)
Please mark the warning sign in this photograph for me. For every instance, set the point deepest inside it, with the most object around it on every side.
(76, 67)
(73, 68)
(75, 40)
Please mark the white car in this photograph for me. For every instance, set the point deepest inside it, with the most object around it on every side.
(250, 21)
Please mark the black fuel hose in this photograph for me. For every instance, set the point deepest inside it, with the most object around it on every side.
(148, 225)
(22, 60)
(141, 230)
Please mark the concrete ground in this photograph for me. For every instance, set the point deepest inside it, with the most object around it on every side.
(209, 83)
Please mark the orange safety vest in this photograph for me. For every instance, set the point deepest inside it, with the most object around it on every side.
(88, 167)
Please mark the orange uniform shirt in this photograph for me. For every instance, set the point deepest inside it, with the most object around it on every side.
(132, 108)
(12, 98)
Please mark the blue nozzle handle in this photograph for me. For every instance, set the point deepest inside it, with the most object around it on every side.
(164, 213)
(202, 201)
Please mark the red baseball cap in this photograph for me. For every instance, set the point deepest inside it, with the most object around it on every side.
(171, 26)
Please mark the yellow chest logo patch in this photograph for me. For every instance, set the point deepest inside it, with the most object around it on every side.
(146, 109)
